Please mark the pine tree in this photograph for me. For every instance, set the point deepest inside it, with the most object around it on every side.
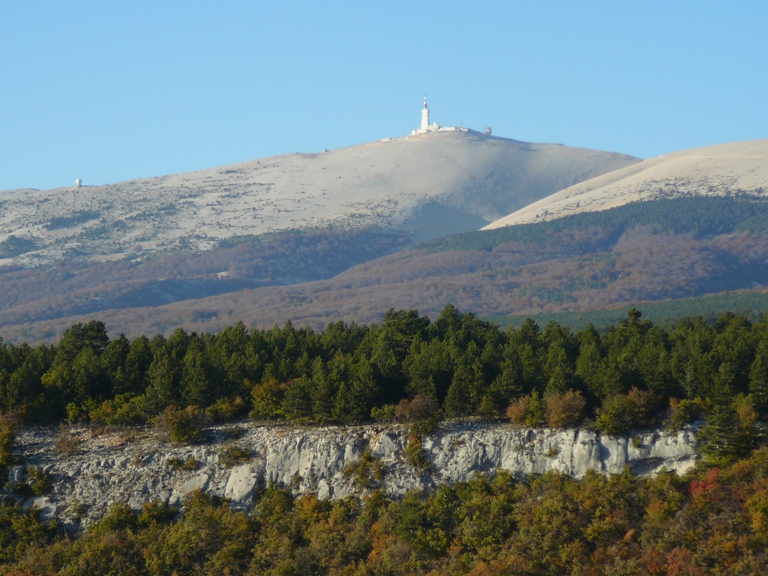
(722, 438)
(758, 382)
(323, 392)
(163, 390)
(467, 387)
(196, 381)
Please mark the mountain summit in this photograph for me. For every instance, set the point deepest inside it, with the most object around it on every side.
(430, 185)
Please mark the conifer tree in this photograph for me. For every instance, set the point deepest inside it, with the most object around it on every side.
(163, 390)
(467, 386)
(323, 392)
(722, 438)
(196, 376)
(758, 382)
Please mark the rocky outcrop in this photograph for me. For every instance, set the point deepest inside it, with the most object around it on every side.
(93, 470)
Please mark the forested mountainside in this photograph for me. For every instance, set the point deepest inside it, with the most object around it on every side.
(646, 251)
(752, 304)
(635, 375)
(287, 257)
(710, 521)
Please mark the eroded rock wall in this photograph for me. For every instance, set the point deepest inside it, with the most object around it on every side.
(93, 471)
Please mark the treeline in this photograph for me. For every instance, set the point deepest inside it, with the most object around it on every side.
(457, 366)
(695, 215)
(713, 521)
(752, 305)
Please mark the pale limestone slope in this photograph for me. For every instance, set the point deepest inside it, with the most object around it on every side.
(713, 171)
(109, 468)
(431, 185)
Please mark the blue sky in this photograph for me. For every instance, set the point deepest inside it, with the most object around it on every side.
(108, 91)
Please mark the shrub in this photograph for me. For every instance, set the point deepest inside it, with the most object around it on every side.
(562, 410)
(233, 433)
(234, 455)
(552, 452)
(181, 426)
(422, 407)
(383, 414)
(620, 413)
(156, 513)
(186, 465)
(67, 442)
(226, 409)
(267, 399)
(119, 517)
(75, 414)
(415, 455)
(7, 438)
(684, 412)
(40, 482)
(518, 410)
(368, 471)
(528, 410)
(124, 410)
(423, 412)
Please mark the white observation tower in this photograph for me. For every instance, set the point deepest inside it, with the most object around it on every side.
(427, 127)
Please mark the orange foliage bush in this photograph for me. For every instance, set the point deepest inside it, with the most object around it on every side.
(567, 409)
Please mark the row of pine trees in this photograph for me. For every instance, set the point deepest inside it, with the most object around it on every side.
(350, 373)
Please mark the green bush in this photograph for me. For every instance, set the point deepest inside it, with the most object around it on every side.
(7, 438)
(40, 482)
(620, 413)
(267, 399)
(181, 426)
(156, 513)
(368, 471)
(415, 455)
(187, 465)
(125, 410)
(234, 455)
(383, 414)
(684, 412)
(226, 409)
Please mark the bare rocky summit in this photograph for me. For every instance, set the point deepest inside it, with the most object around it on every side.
(428, 184)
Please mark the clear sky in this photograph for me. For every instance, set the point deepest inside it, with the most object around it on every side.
(109, 91)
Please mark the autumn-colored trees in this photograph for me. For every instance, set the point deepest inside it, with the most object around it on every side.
(710, 521)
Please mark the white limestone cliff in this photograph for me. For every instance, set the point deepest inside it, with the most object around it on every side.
(93, 471)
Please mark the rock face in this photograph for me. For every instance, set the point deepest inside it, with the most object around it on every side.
(92, 472)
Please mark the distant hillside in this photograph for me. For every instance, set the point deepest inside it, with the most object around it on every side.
(750, 304)
(722, 170)
(641, 252)
(427, 186)
(273, 259)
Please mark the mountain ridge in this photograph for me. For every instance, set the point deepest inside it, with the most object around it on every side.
(428, 184)
(722, 169)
